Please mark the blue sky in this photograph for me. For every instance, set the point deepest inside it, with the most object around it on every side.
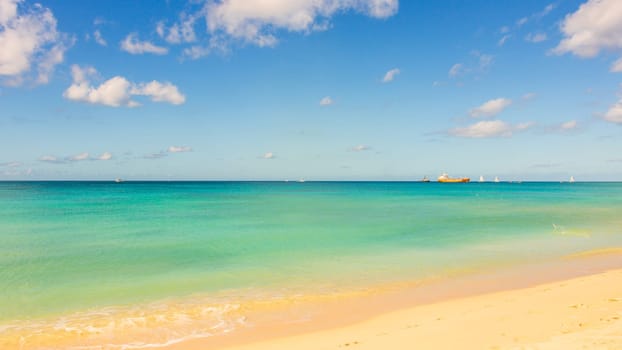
(314, 89)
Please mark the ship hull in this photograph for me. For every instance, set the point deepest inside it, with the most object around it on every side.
(454, 180)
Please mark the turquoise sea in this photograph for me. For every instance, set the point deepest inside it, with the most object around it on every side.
(86, 257)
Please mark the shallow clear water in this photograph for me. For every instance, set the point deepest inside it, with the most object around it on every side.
(67, 247)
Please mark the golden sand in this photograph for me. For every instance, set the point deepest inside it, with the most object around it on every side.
(571, 313)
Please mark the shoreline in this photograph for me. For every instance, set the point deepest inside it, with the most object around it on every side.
(364, 317)
(275, 319)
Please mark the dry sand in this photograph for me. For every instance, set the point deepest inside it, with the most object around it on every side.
(573, 313)
(581, 313)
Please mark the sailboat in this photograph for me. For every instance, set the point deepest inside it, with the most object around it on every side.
(481, 179)
(496, 179)
(425, 179)
(571, 179)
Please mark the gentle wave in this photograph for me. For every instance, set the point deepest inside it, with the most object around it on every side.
(154, 325)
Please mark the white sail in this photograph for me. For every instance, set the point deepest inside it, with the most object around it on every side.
(481, 179)
(496, 179)
(572, 179)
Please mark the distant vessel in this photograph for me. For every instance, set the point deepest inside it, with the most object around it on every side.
(496, 179)
(481, 179)
(301, 180)
(447, 179)
(118, 180)
(572, 179)
(425, 179)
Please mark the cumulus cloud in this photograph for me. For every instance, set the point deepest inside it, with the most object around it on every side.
(179, 149)
(169, 150)
(489, 128)
(105, 156)
(456, 70)
(595, 26)
(490, 108)
(182, 32)
(79, 157)
(50, 159)
(30, 42)
(133, 45)
(160, 92)
(536, 37)
(569, 125)
(614, 114)
(326, 101)
(390, 75)
(360, 148)
(118, 91)
(97, 36)
(258, 21)
(196, 51)
(268, 155)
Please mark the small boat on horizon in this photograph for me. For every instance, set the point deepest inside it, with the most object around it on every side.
(571, 179)
(425, 179)
(481, 179)
(301, 180)
(497, 179)
(444, 178)
(118, 180)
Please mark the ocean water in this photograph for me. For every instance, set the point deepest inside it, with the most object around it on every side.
(165, 261)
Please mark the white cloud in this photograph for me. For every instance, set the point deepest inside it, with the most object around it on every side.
(118, 91)
(536, 38)
(268, 155)
(105, 156)
(134, 46)
(79, 157)
(504, 30)
(546, 10)
(11, 164)
(196, 51)
(616, 67)
(569, 125)
(29, 38)
(258, 21)
(503, 39)
(456, 70)
(360, 148)
(489, 128)
(484, 60)
(179, 149)
(529, 96)
(160, 92)
(390, 75)
(326, 101)
(595, 26)
(490, 108)
(97, 35)
(50, 159)
(522, 21)
(182, 32)
(614, 114)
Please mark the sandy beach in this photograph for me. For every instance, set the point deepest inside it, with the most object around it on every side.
(570, 313)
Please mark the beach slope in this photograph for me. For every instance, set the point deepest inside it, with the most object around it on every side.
(579, 313)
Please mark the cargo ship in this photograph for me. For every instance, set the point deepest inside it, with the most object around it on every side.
(446, 178)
